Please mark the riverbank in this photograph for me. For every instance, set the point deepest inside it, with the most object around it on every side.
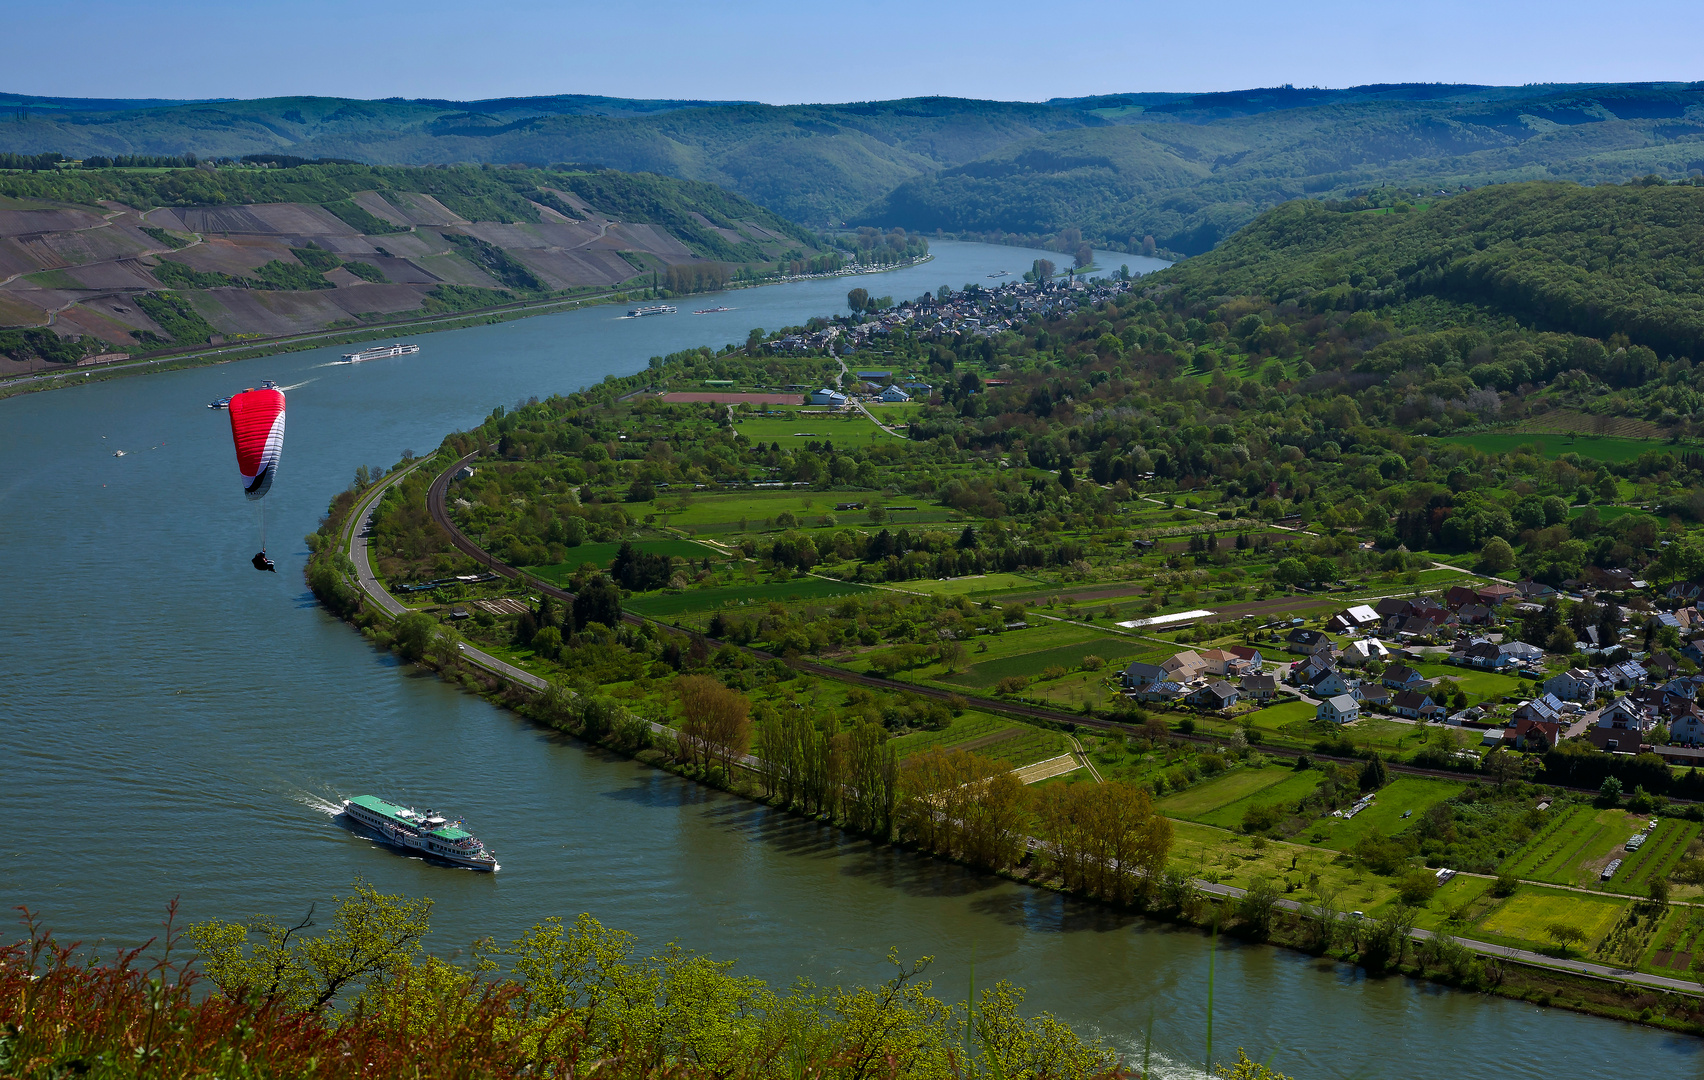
(1380, 947)
(254, 348)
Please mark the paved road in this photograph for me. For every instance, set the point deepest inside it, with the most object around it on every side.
(1503, 952)
(355, 536)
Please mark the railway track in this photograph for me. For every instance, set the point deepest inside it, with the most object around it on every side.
(435, 506)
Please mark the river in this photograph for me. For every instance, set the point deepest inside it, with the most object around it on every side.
(176, 725)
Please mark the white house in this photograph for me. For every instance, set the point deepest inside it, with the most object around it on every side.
(1575, 684)
(1357, 653)
(1341, 709)
(894, 395)
(825, 396)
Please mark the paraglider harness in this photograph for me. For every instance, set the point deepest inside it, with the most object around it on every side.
(261, 562)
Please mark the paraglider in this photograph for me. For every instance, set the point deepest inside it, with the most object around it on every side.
(257, 429)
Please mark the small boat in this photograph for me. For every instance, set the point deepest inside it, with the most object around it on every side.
(430, 834)
(1002, 273)
(118, 453)
(654, 309)
(380, 353)
(711, 310)
(222, 403)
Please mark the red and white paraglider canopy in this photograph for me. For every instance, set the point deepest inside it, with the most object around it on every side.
(257, 428)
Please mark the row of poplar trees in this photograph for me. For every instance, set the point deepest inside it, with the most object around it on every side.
(1102, 840)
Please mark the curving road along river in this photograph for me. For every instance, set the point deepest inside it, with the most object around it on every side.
(177, 725)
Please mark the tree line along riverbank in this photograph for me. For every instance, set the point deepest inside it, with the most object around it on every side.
(825, 773)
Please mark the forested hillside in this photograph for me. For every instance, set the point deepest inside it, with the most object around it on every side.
(1597, 261)
(1186, 169)
(810, 163)
(1189, 172)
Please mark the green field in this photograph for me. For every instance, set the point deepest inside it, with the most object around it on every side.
(1567, 850)
(851, 430)
(753, 507)
(601, 555)
(1223, 790)
(1607, 448)
(971, 586)
(988, 672)
(1476, 684)
(1524, 915)
(669, 605)
(1384, 817)
(990, 736)
(1275, 717)
(1288, 789)
(1653, 860)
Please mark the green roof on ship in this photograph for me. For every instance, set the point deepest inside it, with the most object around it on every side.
(395, 812)
(379, 806)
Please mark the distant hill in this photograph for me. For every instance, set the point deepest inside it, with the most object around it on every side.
(1190, 170)
(810, 163)
(137, 259)
(1591, 261)
(1186, 169)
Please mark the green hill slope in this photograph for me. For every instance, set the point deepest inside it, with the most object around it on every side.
(807, 162)
(1596, 261)
(1189, 172)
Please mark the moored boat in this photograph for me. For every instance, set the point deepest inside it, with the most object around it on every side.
(430, 834)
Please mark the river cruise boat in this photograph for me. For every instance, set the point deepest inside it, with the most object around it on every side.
(711, 310)
(430, 834)
(654, 309)
(380, 353)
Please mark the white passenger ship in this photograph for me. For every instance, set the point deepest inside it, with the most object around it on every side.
(431, 834)
(380, 353)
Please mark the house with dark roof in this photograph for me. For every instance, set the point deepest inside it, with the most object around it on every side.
(1330, 684)
(1258, 687)
(1415, 705)
(1216, 694)
(1403, 677)
(1308, 642)
(1139, 676)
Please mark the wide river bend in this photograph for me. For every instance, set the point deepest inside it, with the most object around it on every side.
(174, 725)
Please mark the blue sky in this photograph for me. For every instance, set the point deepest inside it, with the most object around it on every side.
(784, 52)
